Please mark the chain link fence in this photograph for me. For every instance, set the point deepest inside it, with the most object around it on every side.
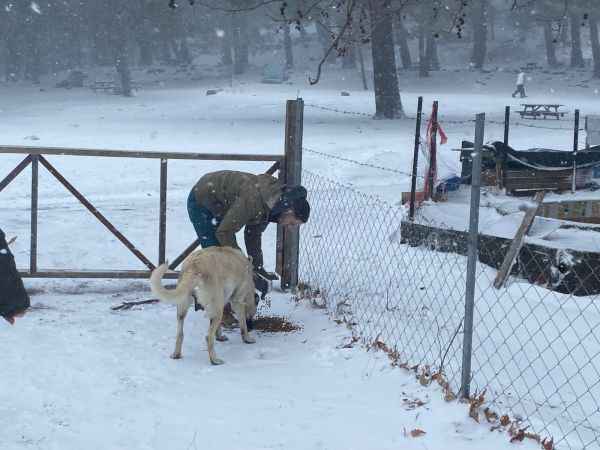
(401, 286)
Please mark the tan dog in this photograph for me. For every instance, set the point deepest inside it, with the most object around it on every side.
(214, 276)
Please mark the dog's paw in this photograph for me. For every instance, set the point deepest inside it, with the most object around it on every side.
(249, 340)
(222, 338)
(217, 361)
(176, 356)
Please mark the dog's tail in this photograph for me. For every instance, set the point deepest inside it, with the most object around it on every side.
(176, 296)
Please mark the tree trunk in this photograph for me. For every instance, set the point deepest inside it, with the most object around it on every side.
(479, 33)
(120, 44)
(122, 66)
(434, 60)
(550, 45)
(423, 62)
(146, 55)
(385, 78)
(491, 21)
(429, 52)
(226, 40)
(100, 50)
(184, 57)
(403, 43)
(13, 60)
(240, 43)
(361, 60)
(563, 36)
(33, 69)
(595, 43)
(287, 44)
(576, 53)
(349, 58)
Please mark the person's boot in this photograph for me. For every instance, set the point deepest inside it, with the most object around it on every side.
(262, 284)
(271, 276)
(229, 320)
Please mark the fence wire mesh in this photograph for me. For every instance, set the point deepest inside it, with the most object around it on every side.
(536, 342)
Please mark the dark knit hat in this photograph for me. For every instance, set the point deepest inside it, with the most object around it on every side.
(292, 198)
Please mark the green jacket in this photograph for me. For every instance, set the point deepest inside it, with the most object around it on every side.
(239, 199)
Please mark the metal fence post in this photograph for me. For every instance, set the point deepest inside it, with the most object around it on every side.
(506, 124)
(465, 386)
(575, 148)
(288, 238)
(413, 182)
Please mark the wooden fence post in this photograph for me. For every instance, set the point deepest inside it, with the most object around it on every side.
(432, 171)
(34, 214)
(162, 215)
(288, 238)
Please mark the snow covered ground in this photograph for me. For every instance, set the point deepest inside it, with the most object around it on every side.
(78, 375)
(78, 371)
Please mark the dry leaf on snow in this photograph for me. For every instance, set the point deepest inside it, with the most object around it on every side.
(417, 432)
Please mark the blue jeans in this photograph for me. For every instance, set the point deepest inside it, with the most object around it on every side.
(204, 222)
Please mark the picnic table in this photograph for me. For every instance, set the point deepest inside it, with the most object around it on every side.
(544, 110)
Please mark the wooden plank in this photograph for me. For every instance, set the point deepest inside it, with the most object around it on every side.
(57, 151)
(274, 168)
(517, 242)
(15, 172)
(120, 274)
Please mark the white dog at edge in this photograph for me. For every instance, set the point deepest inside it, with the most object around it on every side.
(215, 276)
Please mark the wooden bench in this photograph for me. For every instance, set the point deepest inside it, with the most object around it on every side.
(111, 86)
(535, 110)
(103, 86)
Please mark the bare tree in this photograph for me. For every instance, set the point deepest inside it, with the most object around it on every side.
(550, 44)
(479, 14)
(576, 52)
(385, 79)
(595, 42)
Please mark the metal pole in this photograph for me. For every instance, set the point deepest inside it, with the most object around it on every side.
(162, 219)
(587, 134)
(500, 160)
(575, 148)
(506, 124)
(413, 182)
(34, 214)
(465, 389)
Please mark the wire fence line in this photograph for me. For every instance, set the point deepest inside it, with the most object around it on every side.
(353, 161)
(536, 340)
(442, 120)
